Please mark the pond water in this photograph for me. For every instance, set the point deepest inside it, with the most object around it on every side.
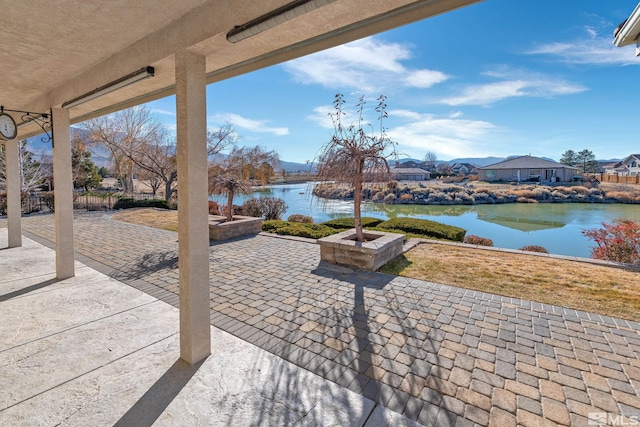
(556, 226)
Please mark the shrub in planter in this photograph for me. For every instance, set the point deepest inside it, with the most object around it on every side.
(477, 240)
(425, 228)
(305, 219)
(312, 231)
(347, 223)
(534, 248)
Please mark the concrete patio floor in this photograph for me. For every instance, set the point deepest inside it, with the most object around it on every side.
(435, 354)
(92, 351)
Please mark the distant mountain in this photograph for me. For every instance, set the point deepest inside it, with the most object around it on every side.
(297, 167)
(40, 148)
(477, 161)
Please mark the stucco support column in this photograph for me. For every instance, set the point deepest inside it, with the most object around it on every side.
(14, 208)
(193, 210)
(63, 193)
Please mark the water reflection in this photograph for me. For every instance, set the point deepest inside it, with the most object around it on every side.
(556, 226)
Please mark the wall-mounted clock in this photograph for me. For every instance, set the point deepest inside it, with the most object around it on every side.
(8, 128)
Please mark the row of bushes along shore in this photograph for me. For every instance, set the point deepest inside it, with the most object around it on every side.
(462, 195)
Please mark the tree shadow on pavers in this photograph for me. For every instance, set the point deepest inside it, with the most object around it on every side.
(157, 399)
(352, 275)
(147, 264)
(276, 392)
(396, 342)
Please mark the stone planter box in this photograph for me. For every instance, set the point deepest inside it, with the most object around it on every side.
(343, 249)
(221, 229)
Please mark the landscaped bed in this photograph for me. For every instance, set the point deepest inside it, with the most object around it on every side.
(410, 227)
(599, 289)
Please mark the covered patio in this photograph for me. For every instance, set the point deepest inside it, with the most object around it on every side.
(91, 58)
(92, 351)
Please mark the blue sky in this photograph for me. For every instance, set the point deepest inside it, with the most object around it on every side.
(497, 78)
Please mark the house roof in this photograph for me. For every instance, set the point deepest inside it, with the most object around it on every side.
(409, 171)
(526, 162)
(467, 165)
(610, 165)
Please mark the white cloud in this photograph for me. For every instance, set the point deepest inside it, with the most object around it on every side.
(513, 83)
(448, 137)
(321, 116)
(424, 78)
(163, 112)
(367, 65)
(259, 126)
(589, 49)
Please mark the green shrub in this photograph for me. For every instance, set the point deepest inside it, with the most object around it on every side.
(127, 203)
(305, 219)
(312, 231)
(346, 223)
(425, 228)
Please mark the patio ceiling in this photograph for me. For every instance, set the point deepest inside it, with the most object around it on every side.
(53, 52)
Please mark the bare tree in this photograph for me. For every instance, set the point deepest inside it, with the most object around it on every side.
(125, 134)
(223, 181)
(153, 181)
(32, 172)
(221, 139)
(156, 160)
(352, 154)
(430, 159)
(233, 174)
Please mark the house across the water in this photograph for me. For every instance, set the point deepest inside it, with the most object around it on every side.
(527, 168)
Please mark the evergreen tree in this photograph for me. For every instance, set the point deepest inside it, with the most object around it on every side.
(587, 161)
(85, 172)
(569, 158)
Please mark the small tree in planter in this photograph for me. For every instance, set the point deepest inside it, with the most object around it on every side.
(353, 155)
(225, 183)
(232, 174)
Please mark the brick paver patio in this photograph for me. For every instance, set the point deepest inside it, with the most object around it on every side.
(438, 354)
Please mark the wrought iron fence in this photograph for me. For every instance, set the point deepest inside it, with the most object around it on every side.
(91, 201)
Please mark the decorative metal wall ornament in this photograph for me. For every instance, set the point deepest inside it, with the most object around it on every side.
(43, 120)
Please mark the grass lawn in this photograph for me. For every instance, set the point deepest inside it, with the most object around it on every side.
(151, 217)
(605, 290)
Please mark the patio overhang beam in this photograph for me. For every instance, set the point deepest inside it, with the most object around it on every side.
(628, 31)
